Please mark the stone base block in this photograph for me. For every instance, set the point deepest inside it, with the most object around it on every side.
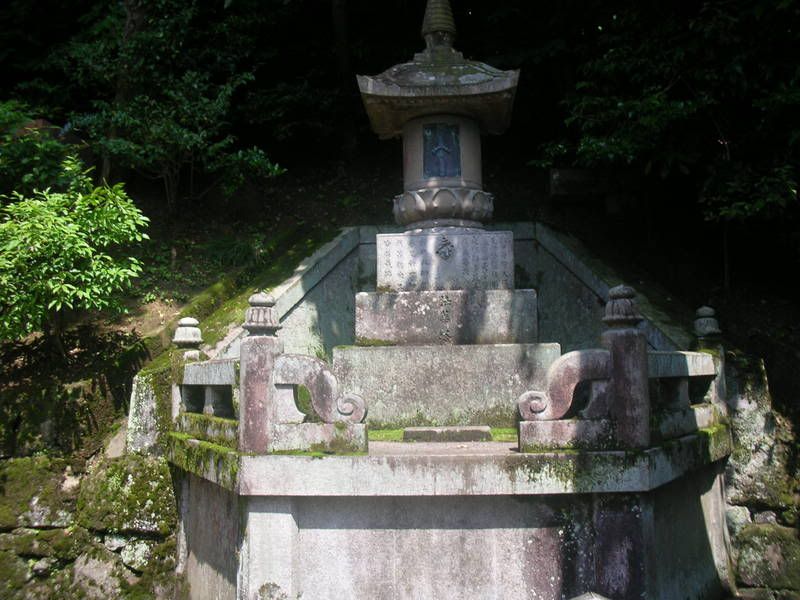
(443, 385)
(329, 438)
(447, 317)
(677, 423)
(448, 434)
(570, 434)
(450, 258)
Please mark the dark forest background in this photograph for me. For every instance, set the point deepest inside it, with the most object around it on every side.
(687, 113)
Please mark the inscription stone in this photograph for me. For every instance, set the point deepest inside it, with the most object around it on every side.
(446, 259)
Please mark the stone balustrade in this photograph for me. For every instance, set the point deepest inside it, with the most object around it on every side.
(621, 396)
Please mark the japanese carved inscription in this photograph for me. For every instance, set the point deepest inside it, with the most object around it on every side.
(435, 261)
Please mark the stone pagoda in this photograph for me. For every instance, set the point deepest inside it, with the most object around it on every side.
(440, 104)
(444, 320)
(613, 484)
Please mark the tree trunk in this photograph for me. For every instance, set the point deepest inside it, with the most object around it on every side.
(135, 15)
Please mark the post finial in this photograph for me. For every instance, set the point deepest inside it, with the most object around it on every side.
(261, 318)
(438, 26)
(621, 309)
(705, 323)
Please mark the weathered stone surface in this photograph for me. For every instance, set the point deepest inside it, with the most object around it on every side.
(130, 494)
(447, 317)
(563, 376)
(535, 436)
(447, 434)
(115, 542)
(338, 438)
(330, 401)
(449, 258)
(675, 423)
(443, 385)
(32, 493)
(680, 364)
(136, 554)
(766, 517)
(210, 372)
(43, 566)
(143, 417)
(737, 518)
(497, 471)
(760, 470)
(187, 334)
(224, 432)
(769, 556)
(99, 574)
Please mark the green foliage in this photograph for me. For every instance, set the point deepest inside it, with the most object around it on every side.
(61, 250)
(696, 92)
(30, 156)
(166, 98)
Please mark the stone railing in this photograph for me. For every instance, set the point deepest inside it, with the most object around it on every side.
(250, 403)
(619, 396)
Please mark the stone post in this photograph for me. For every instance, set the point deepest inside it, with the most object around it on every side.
(709, 339)
(257, 407)
(628, 385)
(188, 336)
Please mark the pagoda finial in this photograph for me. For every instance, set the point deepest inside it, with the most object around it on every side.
(439, 27)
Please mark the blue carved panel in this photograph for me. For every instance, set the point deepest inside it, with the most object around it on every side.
(441, 151)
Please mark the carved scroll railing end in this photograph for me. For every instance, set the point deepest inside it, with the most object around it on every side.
(563, 376)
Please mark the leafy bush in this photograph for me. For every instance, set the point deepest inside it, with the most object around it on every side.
(30, 157)
(62, 250)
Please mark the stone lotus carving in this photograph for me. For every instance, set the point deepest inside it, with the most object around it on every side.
(430, 204)
(296, 369)
(563, 377)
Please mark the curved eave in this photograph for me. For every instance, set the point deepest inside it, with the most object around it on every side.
(389, 105)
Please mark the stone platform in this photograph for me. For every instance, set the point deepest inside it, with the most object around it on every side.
(447, 317)
(443, 385)
(423, 520)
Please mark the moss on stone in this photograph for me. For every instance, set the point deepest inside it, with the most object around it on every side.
(769, 556)
(223, 432)
(373, 342)
(498, 417)
(130, 494)
(30, 490)
(13, 574)
(385, 435)
(204, 459)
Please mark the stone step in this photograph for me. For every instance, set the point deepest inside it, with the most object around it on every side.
(477, 433)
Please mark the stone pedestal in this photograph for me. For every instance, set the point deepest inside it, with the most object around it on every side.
(446, 317)
(443, 384)
(447, 258)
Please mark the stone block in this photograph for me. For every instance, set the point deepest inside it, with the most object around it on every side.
(564, 434)
(443, 385)
(328, 438)
(446, 259)
(676, 423)
(447, 434)
(769, 556)
(210, 372)
(447, 317)
(680, 364)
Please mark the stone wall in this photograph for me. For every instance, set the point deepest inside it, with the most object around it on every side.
(102, 531)
(763, 487)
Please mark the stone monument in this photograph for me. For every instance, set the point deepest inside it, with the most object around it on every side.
(446, 280)
(613, 486)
